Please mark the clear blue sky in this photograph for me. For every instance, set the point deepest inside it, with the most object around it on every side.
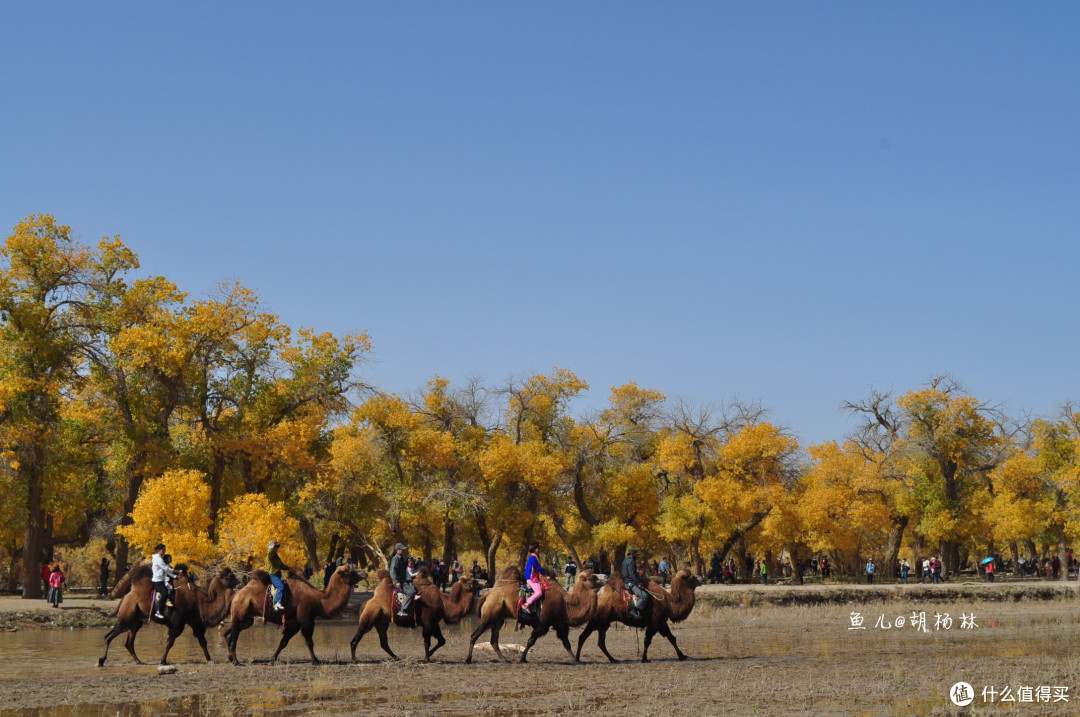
(783, 202)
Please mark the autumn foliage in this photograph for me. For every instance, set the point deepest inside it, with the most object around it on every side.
(134, 414)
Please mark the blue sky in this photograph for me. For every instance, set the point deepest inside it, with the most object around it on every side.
(780, 202)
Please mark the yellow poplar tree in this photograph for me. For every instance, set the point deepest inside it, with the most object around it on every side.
(249, 522)
(173, 509)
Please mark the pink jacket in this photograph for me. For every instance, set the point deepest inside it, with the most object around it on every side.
(56, 579)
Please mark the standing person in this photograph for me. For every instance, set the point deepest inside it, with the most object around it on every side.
(46, 571)
(632, 581)
(665, 571)
(571, 571)
(455, 572)
(925, 570)
(103, 586)
(275, 566)
(764, 572)
(990, 571)
(870, 570)
(533, 574)
(399, 574)
(330, 568)
(160, 572)
(714, 568)
(56, 586)
(905, 568)
(308, 571)
(477, 571)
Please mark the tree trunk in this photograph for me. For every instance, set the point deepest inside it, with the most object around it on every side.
(892, 547)
(307, 531)
(33, 537)
(449, 539)
(1063, 556)
(916, 553)
(695, 547)
(217, 476)
(1015, 554)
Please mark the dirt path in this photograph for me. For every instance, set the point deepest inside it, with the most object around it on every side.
(798, 660)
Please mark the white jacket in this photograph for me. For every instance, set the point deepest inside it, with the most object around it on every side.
(160, 570)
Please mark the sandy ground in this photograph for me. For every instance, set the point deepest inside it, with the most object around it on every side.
(747, 660)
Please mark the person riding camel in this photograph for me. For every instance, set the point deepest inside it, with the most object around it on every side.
(275, 566)
(633, 583)
(161, 575)
(399, 575)
(533, 573)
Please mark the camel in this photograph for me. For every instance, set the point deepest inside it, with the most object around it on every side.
(430, 607)
(500, 603)
(193, 606)
(562, 610)
(611, 607)
(303, 603)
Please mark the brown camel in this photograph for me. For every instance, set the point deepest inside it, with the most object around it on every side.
(303, 603)
(430, 607)
(674, 606)
(193, 606)
(562, 610)
(498, 605)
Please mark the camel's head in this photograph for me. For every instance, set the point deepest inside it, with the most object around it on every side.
(588, 579)
(689, 578)
(350, 576)
(383, 574)
(468, 584)
(512, 572)
(228, 578)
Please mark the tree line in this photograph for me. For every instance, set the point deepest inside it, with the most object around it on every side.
(132, 413)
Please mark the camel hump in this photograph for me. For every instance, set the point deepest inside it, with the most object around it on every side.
(382, 574)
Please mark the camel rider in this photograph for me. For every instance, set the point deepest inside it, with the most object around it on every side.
(275, 567)
(160, 573)
(633, 583)
(399, 575)
(533, 571)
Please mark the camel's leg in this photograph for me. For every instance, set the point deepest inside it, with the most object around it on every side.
(538, 632)
(563, 633)
(361, 630)
(472, 640)
(435, 632)
(233, 636)
(665, 630)
(601, 641)
(173, 634)
(290, 630)
(109, 637)
(385, 643)
(307, 629)
(495, 641)
(199, 630)
(649, 632)
(129, 643)
(589, 629)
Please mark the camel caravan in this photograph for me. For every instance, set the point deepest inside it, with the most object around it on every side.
(154, 592)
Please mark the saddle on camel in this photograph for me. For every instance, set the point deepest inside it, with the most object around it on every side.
(193, 607)
(303, 604)
(430, 607)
